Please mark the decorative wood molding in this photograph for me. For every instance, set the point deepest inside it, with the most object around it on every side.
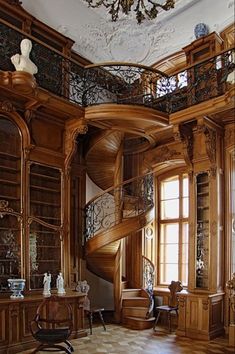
(165, 154)
(210, 141)
(205, 304)
(229, 139)
(73, 128)
(6, 106)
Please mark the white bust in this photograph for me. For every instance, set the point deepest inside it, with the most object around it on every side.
(23, 62)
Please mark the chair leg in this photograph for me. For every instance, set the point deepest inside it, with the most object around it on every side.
(90, 318)
(102, 320)
(69, 345)
(157, 319)
(43, 347)
(169, 321)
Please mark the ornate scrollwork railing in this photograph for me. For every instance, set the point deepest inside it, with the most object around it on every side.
(130, 199)
(121, 83)
(125, 83)
(148, 281)
(201, 82)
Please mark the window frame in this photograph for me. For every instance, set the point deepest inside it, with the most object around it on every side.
(180, 172)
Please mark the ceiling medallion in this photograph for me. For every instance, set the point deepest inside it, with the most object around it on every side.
(143, 8)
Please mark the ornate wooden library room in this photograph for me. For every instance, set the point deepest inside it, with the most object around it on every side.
(117, 176)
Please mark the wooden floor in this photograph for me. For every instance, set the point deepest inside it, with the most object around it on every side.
(118, 339)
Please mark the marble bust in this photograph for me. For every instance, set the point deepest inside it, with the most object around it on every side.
(22, 62)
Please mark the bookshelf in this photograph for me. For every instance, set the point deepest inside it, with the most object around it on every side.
(10, 199)
(202, 237)
(44, 234)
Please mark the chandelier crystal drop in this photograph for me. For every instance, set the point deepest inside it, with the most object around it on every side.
(143, 8)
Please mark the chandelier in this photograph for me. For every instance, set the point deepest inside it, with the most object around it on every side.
(143, 8)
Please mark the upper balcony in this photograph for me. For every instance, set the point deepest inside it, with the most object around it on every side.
(120, 83)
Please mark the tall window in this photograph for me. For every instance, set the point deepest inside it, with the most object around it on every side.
(173, 229)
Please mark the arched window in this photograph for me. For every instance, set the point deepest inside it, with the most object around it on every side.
(172, 226)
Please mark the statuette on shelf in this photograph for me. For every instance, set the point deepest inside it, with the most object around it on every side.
(47, 285)
(60, 284)
(22, 62)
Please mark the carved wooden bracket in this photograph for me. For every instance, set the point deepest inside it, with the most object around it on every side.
(184, 135)
(73, 128)
(210, 135)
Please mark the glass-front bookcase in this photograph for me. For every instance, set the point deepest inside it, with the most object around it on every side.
(45, 223)
(30, 214)
(10, 202)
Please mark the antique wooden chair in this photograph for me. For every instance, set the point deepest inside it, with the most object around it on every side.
(90, 312)
(172, 306)
(52, 325)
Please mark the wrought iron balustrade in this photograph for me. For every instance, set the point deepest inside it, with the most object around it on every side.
(200, 82)
(120, 83)
(130, 199)
(125, 83)
(148, 280)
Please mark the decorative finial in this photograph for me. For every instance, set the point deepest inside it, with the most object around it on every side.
(201, 30)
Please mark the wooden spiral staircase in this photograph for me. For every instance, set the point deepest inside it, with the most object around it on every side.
(112, 215)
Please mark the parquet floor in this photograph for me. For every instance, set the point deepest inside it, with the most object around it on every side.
(120, 340)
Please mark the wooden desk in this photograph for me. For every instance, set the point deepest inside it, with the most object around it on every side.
(15, 316)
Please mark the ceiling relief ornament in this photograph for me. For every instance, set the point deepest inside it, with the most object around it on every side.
(126, 43)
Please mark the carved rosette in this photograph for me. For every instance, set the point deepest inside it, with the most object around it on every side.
(6, 106)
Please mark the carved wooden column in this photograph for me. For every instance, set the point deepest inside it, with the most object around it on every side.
(73, 127)
(202, 314)
(231, 290)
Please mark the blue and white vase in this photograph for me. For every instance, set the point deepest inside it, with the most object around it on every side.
(201, 30)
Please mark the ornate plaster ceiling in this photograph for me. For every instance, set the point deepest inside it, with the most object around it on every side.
(99, 39)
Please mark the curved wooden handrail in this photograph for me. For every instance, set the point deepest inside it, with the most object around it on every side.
(117, 63)
(108, 190)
